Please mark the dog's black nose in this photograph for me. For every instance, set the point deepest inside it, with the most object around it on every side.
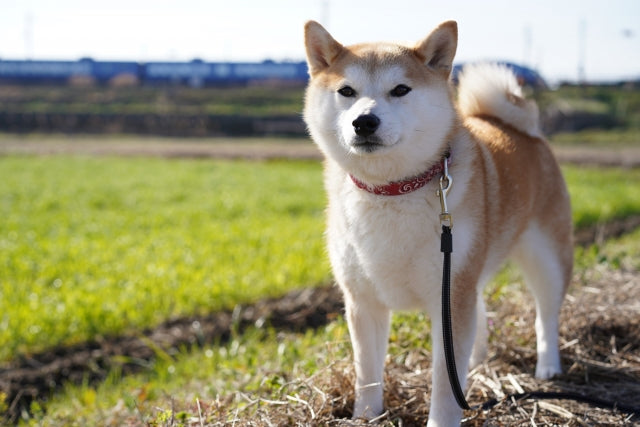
(366, 124)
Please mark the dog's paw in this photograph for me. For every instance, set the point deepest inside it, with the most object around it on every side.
(369, 402)
(548, 364)
(545, 371)
(366, 412)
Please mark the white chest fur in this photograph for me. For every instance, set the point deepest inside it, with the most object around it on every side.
(388, 247)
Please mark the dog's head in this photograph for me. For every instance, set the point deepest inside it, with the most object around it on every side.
(381, 110)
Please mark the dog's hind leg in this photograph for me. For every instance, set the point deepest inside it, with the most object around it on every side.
(480, 342)
(368, 323)
(546, 264)
(479, 351)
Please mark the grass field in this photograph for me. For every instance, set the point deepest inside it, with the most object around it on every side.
(261, 370)
(98, 246)
(601, 195)
(95, 246)
(101, 246)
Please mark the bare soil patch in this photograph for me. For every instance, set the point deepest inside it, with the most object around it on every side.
(229, 148)
(221, 148)
(624, 157)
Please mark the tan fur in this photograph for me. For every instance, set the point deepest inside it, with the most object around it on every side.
(530, 183)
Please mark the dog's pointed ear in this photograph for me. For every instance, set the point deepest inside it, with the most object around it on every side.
(321, 48)
(438, 48)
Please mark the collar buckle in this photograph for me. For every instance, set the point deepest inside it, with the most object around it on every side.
(446, 181)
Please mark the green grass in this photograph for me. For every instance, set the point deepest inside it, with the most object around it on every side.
(260, 363)
(600, 195)
(95, 246)
(104, 246)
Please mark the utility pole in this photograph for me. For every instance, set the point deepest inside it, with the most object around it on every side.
(582, 51)
(324, 13)
(528, 42)
(28, 35)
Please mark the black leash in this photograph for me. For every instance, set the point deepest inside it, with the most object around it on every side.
(446, 247)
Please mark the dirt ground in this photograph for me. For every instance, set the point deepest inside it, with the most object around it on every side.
(223, 148)
(600, 350)
(227, 148)
(601, 326)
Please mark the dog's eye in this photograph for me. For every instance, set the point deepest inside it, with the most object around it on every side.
(347, 92)
(400, 90)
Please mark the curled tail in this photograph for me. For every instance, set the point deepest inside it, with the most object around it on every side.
(492, 89)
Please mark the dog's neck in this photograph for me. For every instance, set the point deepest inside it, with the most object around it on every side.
(406, 186)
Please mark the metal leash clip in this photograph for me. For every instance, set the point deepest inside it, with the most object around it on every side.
(446, 181)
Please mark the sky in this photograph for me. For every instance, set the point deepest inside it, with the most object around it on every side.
(562, 39)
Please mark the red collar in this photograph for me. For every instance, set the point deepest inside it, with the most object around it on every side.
(403, 187)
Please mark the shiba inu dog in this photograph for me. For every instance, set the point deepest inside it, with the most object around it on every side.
(385, 117)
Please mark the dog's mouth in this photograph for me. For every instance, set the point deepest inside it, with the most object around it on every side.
(367, 145)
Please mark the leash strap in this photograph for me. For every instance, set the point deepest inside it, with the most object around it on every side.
(446, 247)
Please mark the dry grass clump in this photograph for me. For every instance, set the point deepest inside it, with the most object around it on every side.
(600, 336)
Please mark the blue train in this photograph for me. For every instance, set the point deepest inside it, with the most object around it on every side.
(194, 73)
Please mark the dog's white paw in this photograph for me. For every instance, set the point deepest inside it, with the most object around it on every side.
(548, 364)
(365, 411)
(546, 371)
(369, 402)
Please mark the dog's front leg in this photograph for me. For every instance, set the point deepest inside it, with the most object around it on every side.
(369, 329)
(444, 410)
